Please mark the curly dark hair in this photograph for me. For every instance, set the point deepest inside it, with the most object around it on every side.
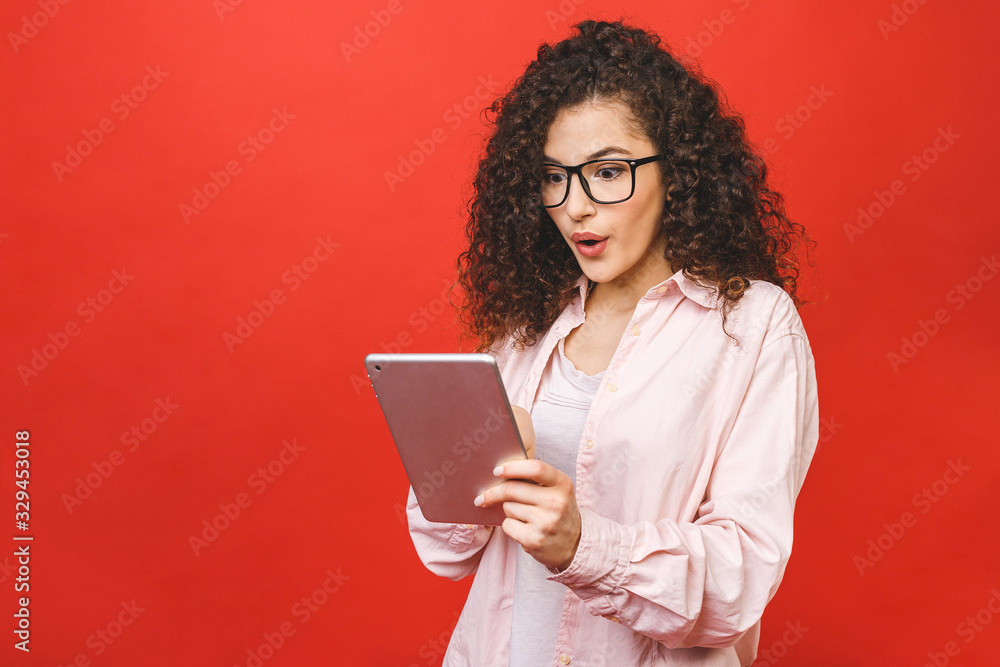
(723, 224)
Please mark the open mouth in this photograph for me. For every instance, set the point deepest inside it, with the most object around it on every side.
(591, 247)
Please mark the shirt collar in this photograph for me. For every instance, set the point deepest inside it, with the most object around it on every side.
(697, 292)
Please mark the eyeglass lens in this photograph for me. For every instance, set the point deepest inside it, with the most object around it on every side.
(607, 181)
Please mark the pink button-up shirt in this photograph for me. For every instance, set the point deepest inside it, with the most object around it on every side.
(690, 460)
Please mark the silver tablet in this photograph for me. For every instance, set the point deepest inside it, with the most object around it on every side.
(452, 424)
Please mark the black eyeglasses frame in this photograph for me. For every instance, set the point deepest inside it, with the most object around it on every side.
(578, 170)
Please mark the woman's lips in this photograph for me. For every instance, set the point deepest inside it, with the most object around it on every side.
(592, 250)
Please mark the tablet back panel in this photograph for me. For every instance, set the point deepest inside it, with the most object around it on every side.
(452, 424)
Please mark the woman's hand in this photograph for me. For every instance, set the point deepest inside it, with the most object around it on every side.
(539, 501)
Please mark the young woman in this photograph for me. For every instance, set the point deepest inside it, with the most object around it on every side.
(635, 278)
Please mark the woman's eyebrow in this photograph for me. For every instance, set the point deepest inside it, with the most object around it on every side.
(603, 152)
(608, 150)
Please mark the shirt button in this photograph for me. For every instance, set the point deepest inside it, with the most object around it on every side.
(612, 387)
(663, 288)
(615, 619)
(564, 659)
(635, 331)
(590, 444)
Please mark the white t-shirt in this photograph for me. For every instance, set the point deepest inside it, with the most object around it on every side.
(558, 414)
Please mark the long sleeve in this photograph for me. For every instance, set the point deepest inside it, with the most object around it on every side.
(706, 582)
(449, 550)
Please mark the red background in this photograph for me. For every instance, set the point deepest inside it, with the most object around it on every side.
(890, 432)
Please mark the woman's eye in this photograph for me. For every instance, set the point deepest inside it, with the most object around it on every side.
(553, 178)
(608, 172)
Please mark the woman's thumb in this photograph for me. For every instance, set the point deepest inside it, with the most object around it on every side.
(525, 428)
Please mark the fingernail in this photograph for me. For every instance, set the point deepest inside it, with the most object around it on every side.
(498, 471)
(478, 502)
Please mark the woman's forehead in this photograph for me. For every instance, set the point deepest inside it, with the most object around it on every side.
(587, 128)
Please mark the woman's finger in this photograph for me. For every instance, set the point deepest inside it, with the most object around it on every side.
(519, 511)
(533, 470)
(512, 490)
(516, 530)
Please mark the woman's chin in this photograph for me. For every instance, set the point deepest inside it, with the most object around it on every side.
(597, 277)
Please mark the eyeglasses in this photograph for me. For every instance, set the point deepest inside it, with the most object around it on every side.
(606, 181)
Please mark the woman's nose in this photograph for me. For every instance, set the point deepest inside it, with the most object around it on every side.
(578, 203)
